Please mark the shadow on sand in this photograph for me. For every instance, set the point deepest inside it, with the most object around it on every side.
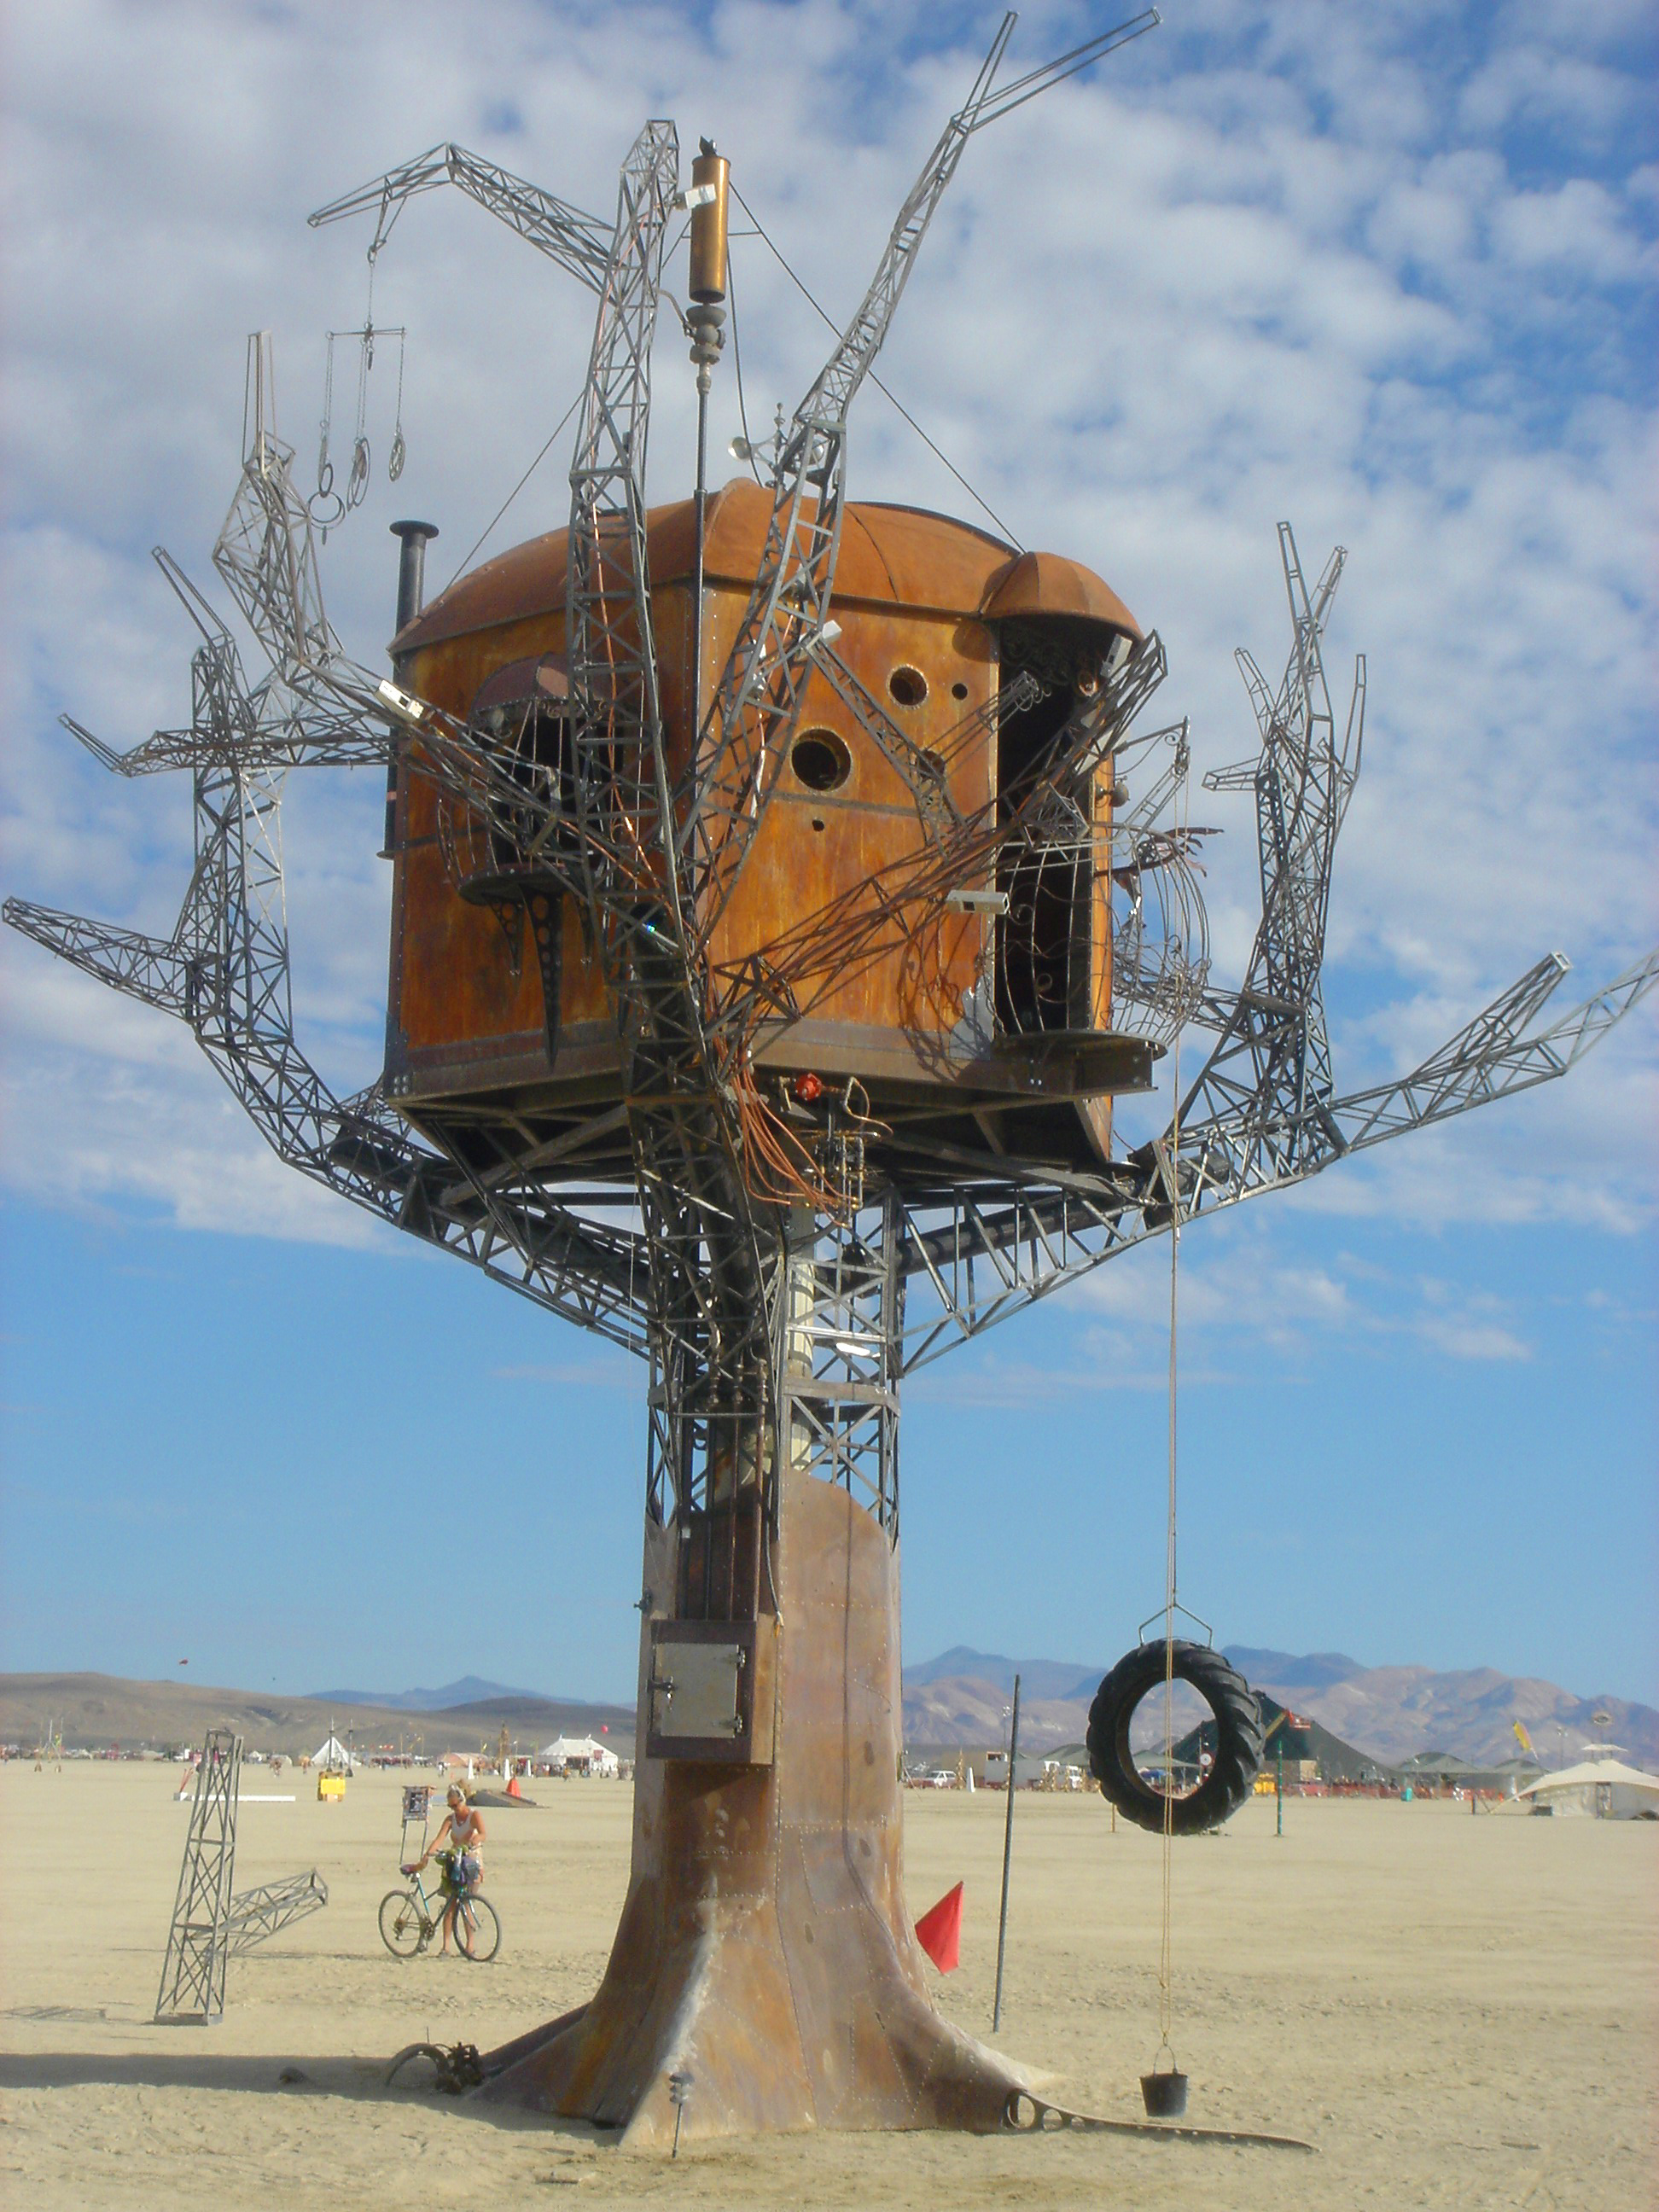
(273, 2075)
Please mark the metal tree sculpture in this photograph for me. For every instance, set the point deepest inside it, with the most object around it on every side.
(785, 1274)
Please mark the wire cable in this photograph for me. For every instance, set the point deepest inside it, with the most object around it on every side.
(737, 357)
(824, 316)
(1166, 1947)
(518, 487)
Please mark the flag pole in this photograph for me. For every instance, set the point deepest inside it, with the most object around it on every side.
(1007, 1851)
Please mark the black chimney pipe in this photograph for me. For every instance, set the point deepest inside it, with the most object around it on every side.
(411, 581)
(411, 567)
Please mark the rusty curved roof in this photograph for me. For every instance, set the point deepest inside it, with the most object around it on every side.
(1048, 584)
(889, 556)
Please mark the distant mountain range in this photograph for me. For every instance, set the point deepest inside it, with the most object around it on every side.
(957, 1700)
(1039, 1678)
(469, 1690)
(1390, 1713)
(93, 1711)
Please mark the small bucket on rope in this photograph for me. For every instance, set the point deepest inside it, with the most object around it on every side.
(1164, 2094)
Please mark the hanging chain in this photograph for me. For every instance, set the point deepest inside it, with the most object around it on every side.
(400, 454)
(357, 482)
(324, 497)
(327, 507)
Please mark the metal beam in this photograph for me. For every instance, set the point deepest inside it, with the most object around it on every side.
(579, 243)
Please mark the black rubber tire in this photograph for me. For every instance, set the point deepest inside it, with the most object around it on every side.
(1238, 1739)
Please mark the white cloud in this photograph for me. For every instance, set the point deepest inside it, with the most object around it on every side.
(1529, 83)
(1578, 228)
(1474, 1340)
(1241, 1291)
(620, 1373)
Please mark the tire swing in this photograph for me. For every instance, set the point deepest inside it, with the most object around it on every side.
(1237, 1754)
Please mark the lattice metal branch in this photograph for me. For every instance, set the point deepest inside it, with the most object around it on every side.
(973, 1257)
(1273, 1059)
(758, 699)
(256, 1915)
(225, 969)
(578, 242)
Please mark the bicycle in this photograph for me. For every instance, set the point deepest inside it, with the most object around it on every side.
(411, 1918)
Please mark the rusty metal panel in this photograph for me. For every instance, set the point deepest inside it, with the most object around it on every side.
(895, 555)
(462, 1022)
(816, 844)
(460, 1017)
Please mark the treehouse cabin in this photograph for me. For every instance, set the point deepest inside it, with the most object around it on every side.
(982, 1026)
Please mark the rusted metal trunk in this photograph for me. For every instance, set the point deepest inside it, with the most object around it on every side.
(765, 1956)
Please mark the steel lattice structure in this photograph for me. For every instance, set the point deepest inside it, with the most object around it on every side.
(652, 866)
(256, 1915)
(198, 1941)
(212, 1925)
(780, 1276)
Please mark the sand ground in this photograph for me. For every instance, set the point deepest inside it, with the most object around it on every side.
(1457, 2011)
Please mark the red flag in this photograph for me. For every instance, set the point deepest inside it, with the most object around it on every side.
(939, 1932)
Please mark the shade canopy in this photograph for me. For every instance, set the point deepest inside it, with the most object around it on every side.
(1592, 1771)
(575, 1747)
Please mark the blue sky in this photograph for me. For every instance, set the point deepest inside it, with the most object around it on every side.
(1388, 273)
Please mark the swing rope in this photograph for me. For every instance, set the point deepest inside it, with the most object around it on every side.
(1165, 1954)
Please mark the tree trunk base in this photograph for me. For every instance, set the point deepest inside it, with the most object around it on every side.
(765, 1975)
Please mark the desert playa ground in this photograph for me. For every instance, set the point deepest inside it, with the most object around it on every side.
(1455, 2011)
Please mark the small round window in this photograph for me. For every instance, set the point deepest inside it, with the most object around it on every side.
(909, 686)
(820, 760)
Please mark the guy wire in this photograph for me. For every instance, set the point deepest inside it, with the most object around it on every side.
(824, 316)
(518, 487)
(737, 357)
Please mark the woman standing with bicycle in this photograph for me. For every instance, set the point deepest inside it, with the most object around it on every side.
(464, 1829)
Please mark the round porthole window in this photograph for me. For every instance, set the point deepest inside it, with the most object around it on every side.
(820, 760)
(909, 686)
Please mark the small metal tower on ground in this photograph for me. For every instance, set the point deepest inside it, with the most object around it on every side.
(198, 1942)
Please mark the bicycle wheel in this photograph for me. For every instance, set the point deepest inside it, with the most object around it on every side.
(403, 1927)
(478, 1929)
